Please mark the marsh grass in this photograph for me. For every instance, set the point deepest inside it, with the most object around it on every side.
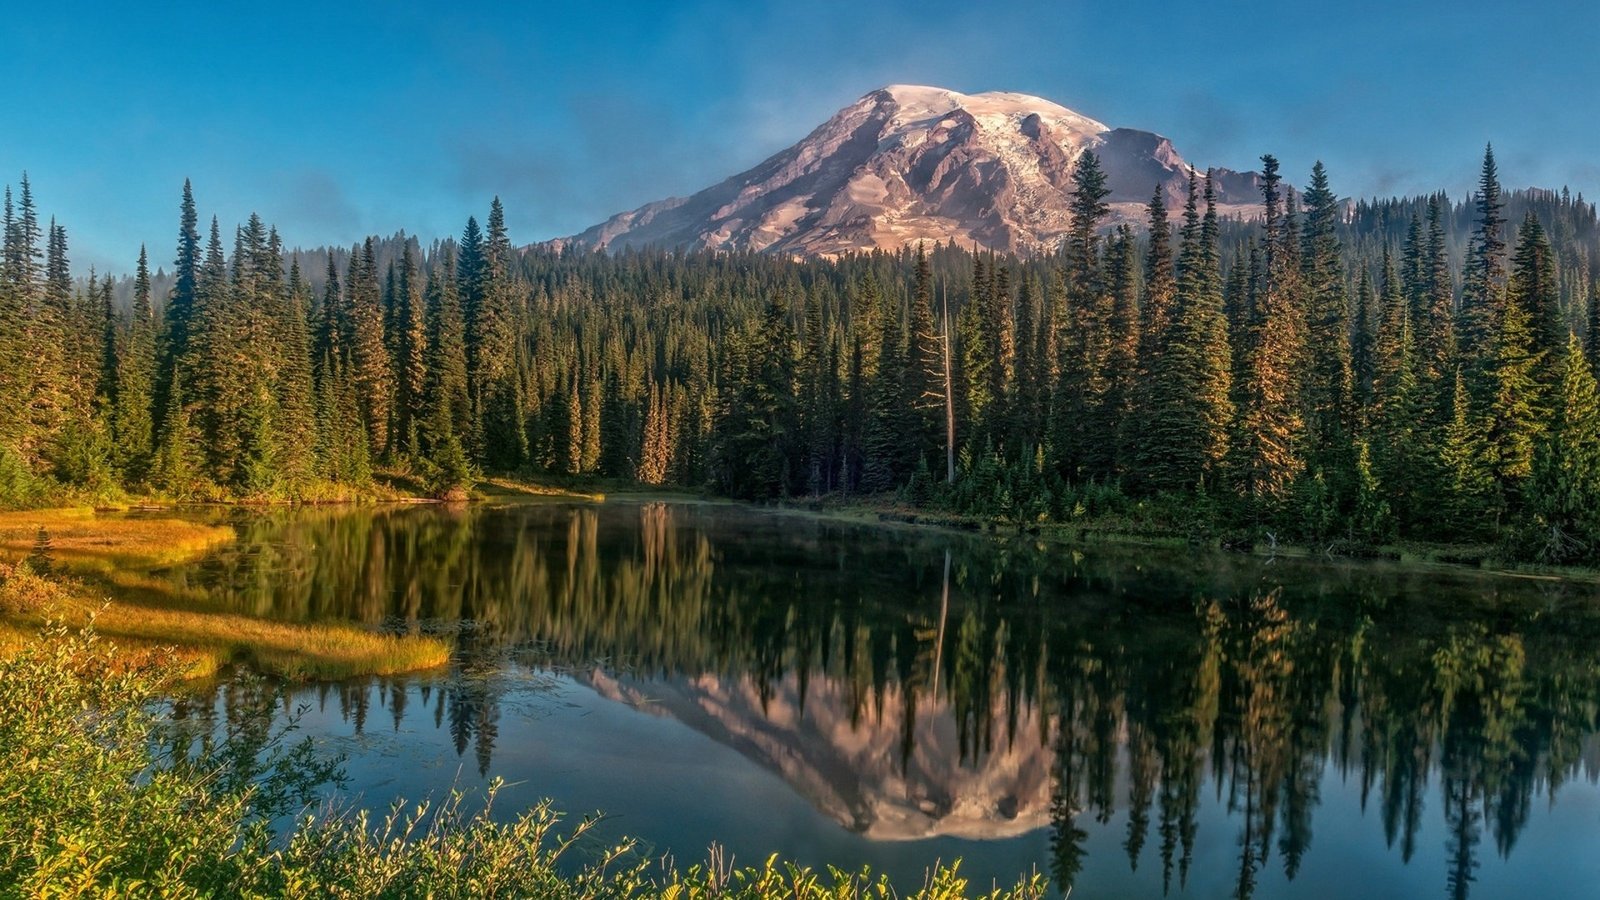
(100, 574)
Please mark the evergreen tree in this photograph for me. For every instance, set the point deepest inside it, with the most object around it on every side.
(1564, 493)
(1463, 456)
(1401, 460)
(295, 394)
(1122, 359)
(1084, 345)
(1435, 317)
(1534, 285)
(1190, 398)
(370, 368)
(1591, 347)
(134, 426)
(177, 318)
(1483, 291)
(411, 346)
(1516, 418)
(176, 470)
(1329, 379)
(1268, 434)
(1361, 343)
(499, 398)
(446, 394)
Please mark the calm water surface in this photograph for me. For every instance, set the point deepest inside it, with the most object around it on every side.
(1129, 722)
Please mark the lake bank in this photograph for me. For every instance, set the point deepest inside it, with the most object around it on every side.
(75, 567)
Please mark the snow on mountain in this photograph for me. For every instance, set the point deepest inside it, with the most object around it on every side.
(909, 163)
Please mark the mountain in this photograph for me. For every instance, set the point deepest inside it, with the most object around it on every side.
(861, 770)
(908, 163)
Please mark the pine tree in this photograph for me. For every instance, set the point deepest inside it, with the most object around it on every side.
(574, 421)
(1535, 286)
(1000, 331)
(1468, 481)
(493, 382)
(447, 398)
(1591, 347)
(656, 456)
(1190, 401)
(1361, 343)
(411, 354)
(1122, 358)
(924, 370)
(134, 426)
(977, 357)
(213, 369)
(1435, 310)
(1564, 492)
(1085, 330)
(176, 469)
(370, 368)
(1516, 418)
(1401, 457)
(1268, 433)
(1483, 291)
(296, 388)
(177, 318)
(1329, 379)
(818, 404)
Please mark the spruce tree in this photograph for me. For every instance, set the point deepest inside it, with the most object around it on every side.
(134, 425)
(1516, 417)
(1564, 493)
(370, 368)
(446, 394)
(1534, 285)
(1268, 434)
(1084, 344)
(1361, 343)
(1591, 346)
(1483, 290)
(297, 430)
(1435, 318)
(411, 347)
(177, 317)
(1122, 359)
(1190, 405)
(1328, 382)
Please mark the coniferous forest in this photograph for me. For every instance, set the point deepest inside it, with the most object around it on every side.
(1343, 374)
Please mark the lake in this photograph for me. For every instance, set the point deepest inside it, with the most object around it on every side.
(1129, 721)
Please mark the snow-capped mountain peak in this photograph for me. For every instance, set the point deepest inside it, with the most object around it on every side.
(909, 163)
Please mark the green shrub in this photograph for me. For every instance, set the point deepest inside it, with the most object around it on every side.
(102, 795)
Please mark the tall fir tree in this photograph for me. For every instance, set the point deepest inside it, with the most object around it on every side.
(1534, 284)
(1191, 403)
(1564, 493)
(1483, 289)
(371, 370)
(1084, 345)
(411, 346)
(134, 424)
(1268, 438)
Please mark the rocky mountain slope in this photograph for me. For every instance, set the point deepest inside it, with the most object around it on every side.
(908, 163)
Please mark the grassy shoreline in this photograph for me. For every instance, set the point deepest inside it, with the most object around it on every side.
(94, 569)
(102, 560)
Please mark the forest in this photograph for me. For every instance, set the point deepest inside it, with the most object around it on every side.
(1342, 374)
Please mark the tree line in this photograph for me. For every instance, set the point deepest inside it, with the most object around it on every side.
(1321, 371)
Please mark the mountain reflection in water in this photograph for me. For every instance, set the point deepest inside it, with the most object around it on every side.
(914, 686)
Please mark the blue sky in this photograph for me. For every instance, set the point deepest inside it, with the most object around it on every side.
(339, 119)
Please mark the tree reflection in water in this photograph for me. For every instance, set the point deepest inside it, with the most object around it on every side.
(912, 683)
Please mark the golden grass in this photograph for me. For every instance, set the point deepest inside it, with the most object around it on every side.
(108, 558)
(511, 487)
